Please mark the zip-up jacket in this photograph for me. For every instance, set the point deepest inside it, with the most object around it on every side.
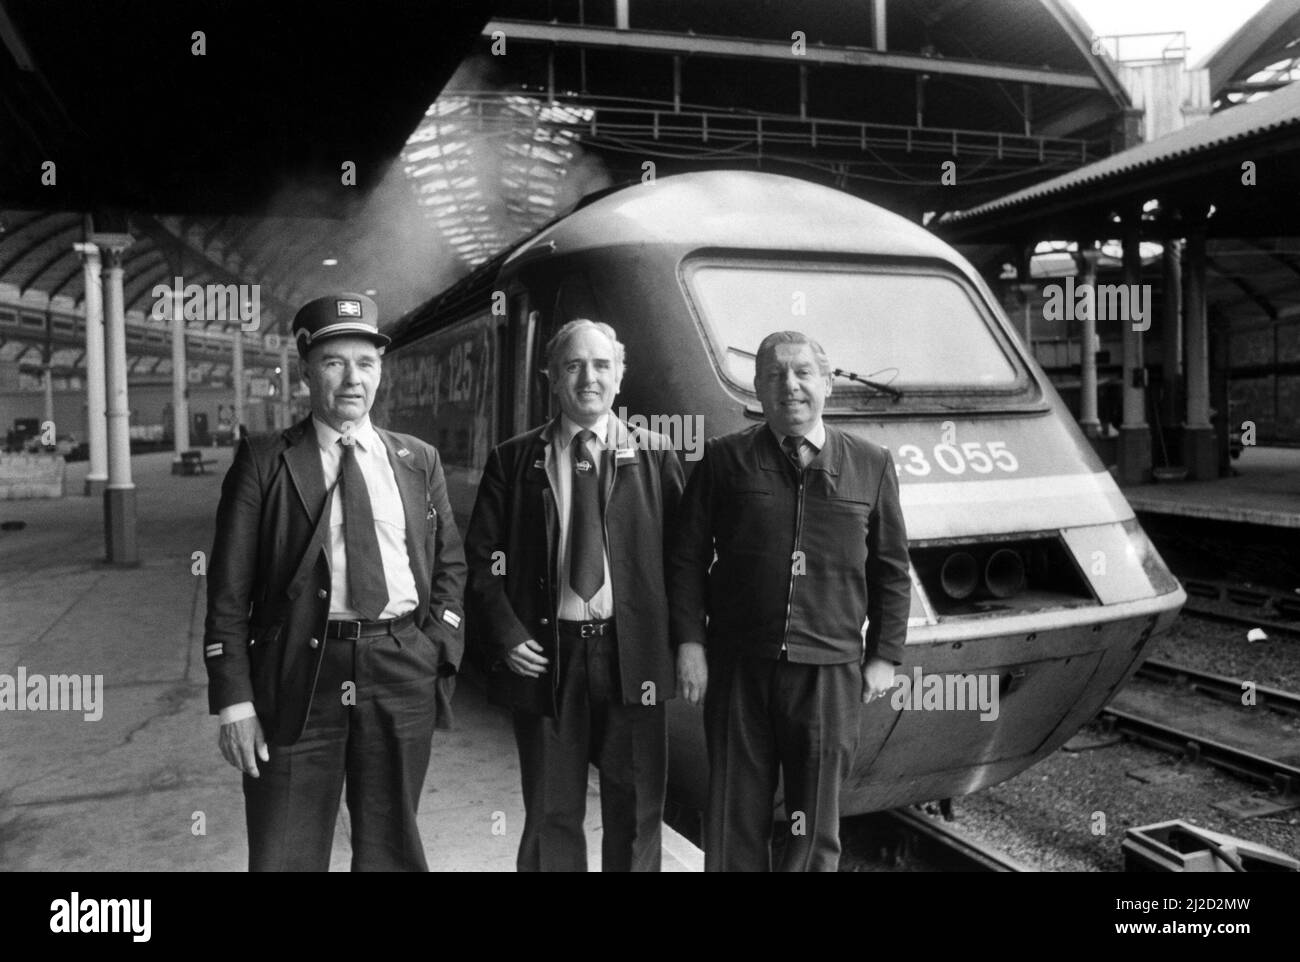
(803, 557)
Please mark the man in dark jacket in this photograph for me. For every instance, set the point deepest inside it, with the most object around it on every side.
(569, 607)
(334, 609)
(808, 533)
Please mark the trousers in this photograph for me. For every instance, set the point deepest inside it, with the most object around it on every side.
(765, 718)
(628, 744)
(370, 729)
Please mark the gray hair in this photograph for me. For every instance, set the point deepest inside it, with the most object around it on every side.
(562, 337)
(768, 348)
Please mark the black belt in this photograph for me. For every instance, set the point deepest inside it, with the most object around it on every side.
(352, 630)
(586, 629)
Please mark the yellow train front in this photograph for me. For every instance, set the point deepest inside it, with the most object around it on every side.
(1035, 591)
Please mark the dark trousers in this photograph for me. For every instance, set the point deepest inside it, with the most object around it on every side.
(378, 746)
(627, 743)
(763, 718)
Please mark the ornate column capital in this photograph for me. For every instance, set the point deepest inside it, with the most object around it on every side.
(112, 246)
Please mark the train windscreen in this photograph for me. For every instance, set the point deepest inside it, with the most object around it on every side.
(912, 328)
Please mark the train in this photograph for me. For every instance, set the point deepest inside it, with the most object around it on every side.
(1034, 588)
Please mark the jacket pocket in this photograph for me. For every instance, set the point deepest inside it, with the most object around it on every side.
(262, 642)
(265, 657)
(431, 517)
(441, 652)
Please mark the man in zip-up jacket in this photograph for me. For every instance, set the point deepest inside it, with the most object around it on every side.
(569, 610)
(806, 526)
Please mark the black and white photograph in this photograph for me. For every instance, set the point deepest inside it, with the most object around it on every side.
(693, 436)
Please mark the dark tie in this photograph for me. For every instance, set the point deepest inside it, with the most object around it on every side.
(794, 449)
(586, 539)
(366, 584)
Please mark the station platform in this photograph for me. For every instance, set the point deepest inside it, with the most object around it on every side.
(144, 787)
(1265, 491)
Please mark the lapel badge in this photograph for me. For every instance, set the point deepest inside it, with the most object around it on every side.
(539, 465)
(625, 454)
(433, 512)
(402, 452)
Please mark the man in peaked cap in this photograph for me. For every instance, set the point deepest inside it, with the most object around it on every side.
(333, 631)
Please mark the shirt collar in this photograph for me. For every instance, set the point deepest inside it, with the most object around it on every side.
(327, 437)
(569, 428)
(816, 437)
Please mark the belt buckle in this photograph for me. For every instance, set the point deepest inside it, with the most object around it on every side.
(354, 634)
(590, 629)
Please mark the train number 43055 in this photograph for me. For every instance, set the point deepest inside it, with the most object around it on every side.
(980, 457)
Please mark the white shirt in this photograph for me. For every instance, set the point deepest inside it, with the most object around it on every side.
(573, 608)
(390, 521)
(390, 526)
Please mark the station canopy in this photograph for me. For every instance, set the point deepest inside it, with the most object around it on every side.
(226, 161)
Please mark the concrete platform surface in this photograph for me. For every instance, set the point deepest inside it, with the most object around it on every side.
(144, 787)
(1265, 491)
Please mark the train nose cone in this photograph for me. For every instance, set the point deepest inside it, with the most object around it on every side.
(959, 575)
(1004, 574)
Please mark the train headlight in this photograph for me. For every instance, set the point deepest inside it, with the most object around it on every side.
(1004, 573)
(960, 575)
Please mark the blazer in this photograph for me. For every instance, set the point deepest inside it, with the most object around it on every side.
(264, 637)
(512, 543)
(802, 559)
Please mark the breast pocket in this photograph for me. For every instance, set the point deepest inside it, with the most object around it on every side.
(858, 507)
(839, 525)
(850, 511)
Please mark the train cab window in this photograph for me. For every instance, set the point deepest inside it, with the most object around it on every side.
(575, 299)
(572, 298)
(915, 328)
(539, 385)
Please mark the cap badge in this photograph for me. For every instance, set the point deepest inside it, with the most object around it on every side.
(348, 308)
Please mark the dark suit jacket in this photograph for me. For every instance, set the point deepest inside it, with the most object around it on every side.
(799, 565)
(257, 636)
(513, 591)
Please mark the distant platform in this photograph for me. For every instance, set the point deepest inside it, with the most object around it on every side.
(1266, 491)
(142, 786)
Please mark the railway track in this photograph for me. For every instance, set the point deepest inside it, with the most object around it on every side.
(1245, 605)
(1219, 686)
(944, 846)
(1241, 762)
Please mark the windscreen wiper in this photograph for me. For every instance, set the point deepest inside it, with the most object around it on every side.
(893, 392)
